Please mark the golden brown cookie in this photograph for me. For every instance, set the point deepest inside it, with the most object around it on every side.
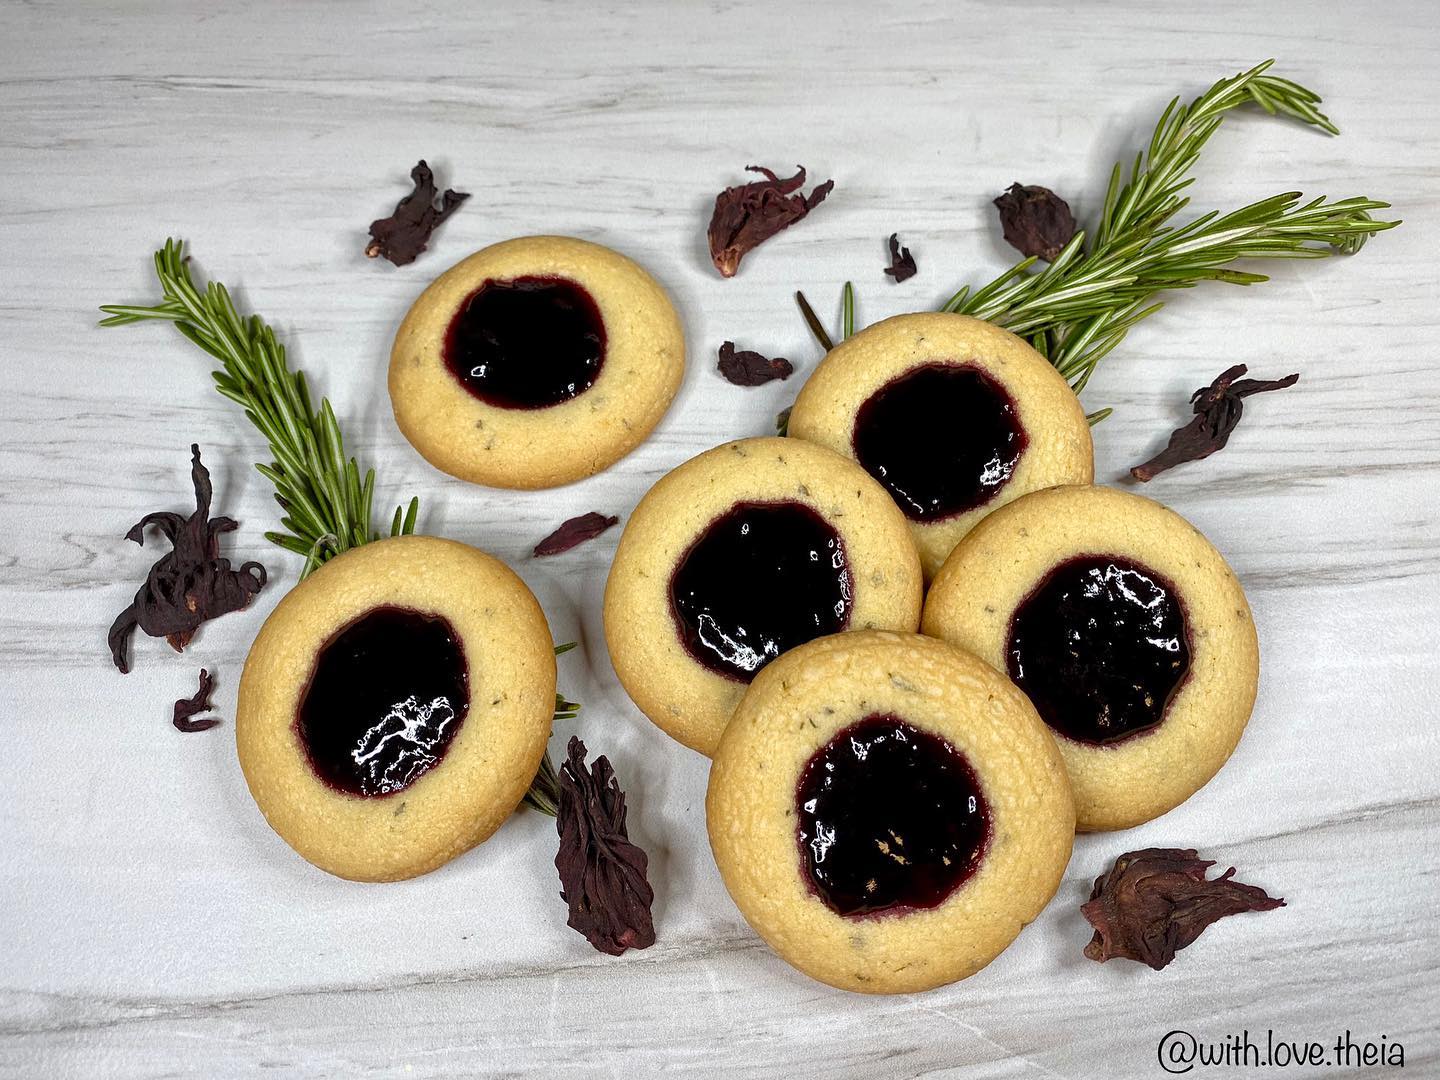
(739, 554)
(395, 706)
(955, 417)
(535, 362)
(887, 811)
(1127, 630)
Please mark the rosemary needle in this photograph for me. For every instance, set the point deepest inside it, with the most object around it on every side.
(813, 321)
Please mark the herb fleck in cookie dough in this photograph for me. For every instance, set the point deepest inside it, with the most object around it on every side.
(738, 555)
(535, 362)
(395, 706)
(1126, 629)
(954, 416)
(887, 811)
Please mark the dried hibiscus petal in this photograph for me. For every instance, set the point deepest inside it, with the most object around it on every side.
(403, 235)
(190, 584)
(745, 368)
(1218, 408)
(185, 708)
(1035, 220)
(602, 874)
(749, 214)
(902, 264)
(574, 532)
(1155, 902)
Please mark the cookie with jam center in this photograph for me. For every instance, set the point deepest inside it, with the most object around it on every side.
(954, 416)
(1126, 629)
(535, 362)
(395, 705)
(738, 555)
(887, 811)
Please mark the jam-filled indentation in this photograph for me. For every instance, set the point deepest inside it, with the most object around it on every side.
(760, 579)
(942, 438)
(1100, 646)
(891, 819)
(527, 342)
(385, 699)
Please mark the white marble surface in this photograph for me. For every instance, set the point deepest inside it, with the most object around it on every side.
(150, 923)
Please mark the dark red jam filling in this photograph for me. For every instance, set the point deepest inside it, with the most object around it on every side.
(942, 438)
(386, 697)
(761, 579)
(526, 343)
(892, 819)
(1100, 646)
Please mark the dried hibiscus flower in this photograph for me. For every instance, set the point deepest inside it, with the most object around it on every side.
(574, 532)
(749, 214)
(602, 874)
(403, 235)
(190, 584)
(902, 264)
(1036, 221)
(1218, 408)
(1155, 902)
(745, 368)
(185, 708)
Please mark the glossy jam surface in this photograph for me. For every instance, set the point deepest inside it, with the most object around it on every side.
(942, 438)
(1100, 647)
(387, 694)
(892, 819)
(527, 343)
(762, 578)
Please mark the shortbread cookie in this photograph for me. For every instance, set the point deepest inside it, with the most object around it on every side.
(887, 811)
(1126, 629)
(739, 554)
(535, 362)
(954, 416)
(395, 706)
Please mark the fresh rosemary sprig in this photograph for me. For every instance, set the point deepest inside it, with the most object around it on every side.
(1081, 306)
(326, 504)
